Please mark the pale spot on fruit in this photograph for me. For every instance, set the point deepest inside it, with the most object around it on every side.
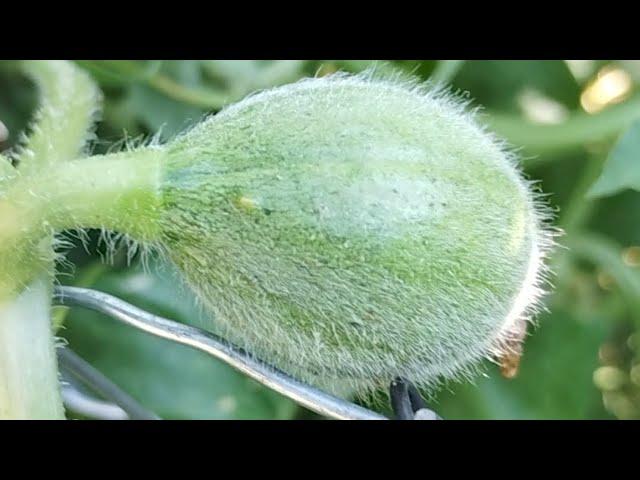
(247, 203)
(518, 229)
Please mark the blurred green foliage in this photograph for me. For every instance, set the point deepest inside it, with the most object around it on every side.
(581, 360)
(621, 170)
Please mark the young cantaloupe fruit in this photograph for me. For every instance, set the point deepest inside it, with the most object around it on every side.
(350, 230)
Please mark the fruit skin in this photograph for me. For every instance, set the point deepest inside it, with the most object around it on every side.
(349, 230)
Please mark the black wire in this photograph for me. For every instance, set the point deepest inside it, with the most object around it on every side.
(406, 400)
(400, 399)
(417, 402)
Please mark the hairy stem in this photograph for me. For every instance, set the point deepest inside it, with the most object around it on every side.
(115, 192)
(29, 386)
(69, 102)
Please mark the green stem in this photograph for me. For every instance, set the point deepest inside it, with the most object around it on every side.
(124, 71)
(579, 129)
(115, 192)
(29, 386)
(69, 104)
(446, 70)
(28, 368)
(200, 97)
(606, 254)
(579, 208)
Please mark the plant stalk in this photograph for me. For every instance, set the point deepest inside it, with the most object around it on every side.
(577, 130)
(29, 384)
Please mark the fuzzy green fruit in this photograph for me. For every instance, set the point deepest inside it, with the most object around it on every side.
(345, 229)
(349, 229)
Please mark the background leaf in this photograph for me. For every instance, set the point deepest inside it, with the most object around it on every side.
(622, 169)
(542, 389)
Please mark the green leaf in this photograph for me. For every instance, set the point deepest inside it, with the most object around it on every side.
(622, 168)
(120, 72)
(618, 217)
(157, 112)
(241, 77)
(174, 381)
(496, 84)
(554, 382)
